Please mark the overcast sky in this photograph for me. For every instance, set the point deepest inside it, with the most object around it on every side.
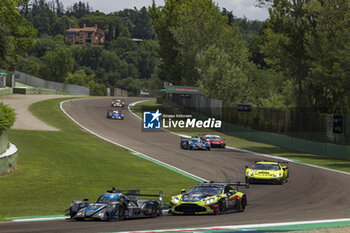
(240, 8)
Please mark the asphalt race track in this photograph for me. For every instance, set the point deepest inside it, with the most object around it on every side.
(310, 194)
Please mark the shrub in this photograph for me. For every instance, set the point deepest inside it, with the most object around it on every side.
(7, 117)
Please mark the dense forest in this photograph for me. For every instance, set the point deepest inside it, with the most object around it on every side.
(300, 59)
(297, 58)
(119, 63)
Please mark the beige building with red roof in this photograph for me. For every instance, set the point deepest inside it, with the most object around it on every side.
(86, 35)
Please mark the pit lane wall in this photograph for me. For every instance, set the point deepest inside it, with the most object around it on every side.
(37, 82)
(215, 108)
(8, 155)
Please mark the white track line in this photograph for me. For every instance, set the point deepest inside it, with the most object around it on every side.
(38, 219)
(128, 148)
(245, 226)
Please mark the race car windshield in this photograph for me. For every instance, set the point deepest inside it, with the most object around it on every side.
(214, 138)
(207, 190)
(105, 199)
(196, 140)
(271, 167)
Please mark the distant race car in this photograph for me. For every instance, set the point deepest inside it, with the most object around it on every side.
(118, 103)
(115, 115)
(210, 198)
(116, 205)
(194, 143)
(215, 141)
(267, 172)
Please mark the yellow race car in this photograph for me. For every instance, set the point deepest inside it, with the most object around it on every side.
(210, 198)
(118, 103)
(267, 172)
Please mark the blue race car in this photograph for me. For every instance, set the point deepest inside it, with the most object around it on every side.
(115, 115)
(116, 205)
(194, 143)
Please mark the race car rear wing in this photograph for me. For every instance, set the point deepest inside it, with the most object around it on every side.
(280, 162)
(134, 193)
(160, 195)
(237, 184)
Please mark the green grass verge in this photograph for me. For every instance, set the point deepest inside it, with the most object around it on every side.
(18, 84)
(323, 161)
(55, 168)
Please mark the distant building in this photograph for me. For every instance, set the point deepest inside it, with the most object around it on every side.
(137, 41)
(86, 35)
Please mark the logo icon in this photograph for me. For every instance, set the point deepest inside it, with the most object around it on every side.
(151, 120)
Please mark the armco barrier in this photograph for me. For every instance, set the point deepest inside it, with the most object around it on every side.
(8, 160)
(37, 82)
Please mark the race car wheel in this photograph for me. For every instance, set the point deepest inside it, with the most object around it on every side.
(208, 148)
(243, 203)
(71, 213)
(221, 207)
(121, 213)
(154, 211)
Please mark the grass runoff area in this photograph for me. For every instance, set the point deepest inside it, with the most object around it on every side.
(56, 167)
(323, 161)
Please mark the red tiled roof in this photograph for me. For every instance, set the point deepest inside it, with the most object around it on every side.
(85, 29)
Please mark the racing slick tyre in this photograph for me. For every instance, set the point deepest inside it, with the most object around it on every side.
(71, 213)
(121, 213)
(241, 204)
(154, 211)
(244, 203)
(221, 208)
(208, 148)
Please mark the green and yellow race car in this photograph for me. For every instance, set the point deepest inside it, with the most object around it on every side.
(267, 172)
(210, 198)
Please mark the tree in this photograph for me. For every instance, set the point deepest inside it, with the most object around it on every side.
(225, 70)
(199, 25)
(57, 64)
(79, 77)
(17, 34)
(138, 22)
(163, 19)
(307, 41)
(329, 53)
(285, 45)
(3, 44)
(62, 24)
